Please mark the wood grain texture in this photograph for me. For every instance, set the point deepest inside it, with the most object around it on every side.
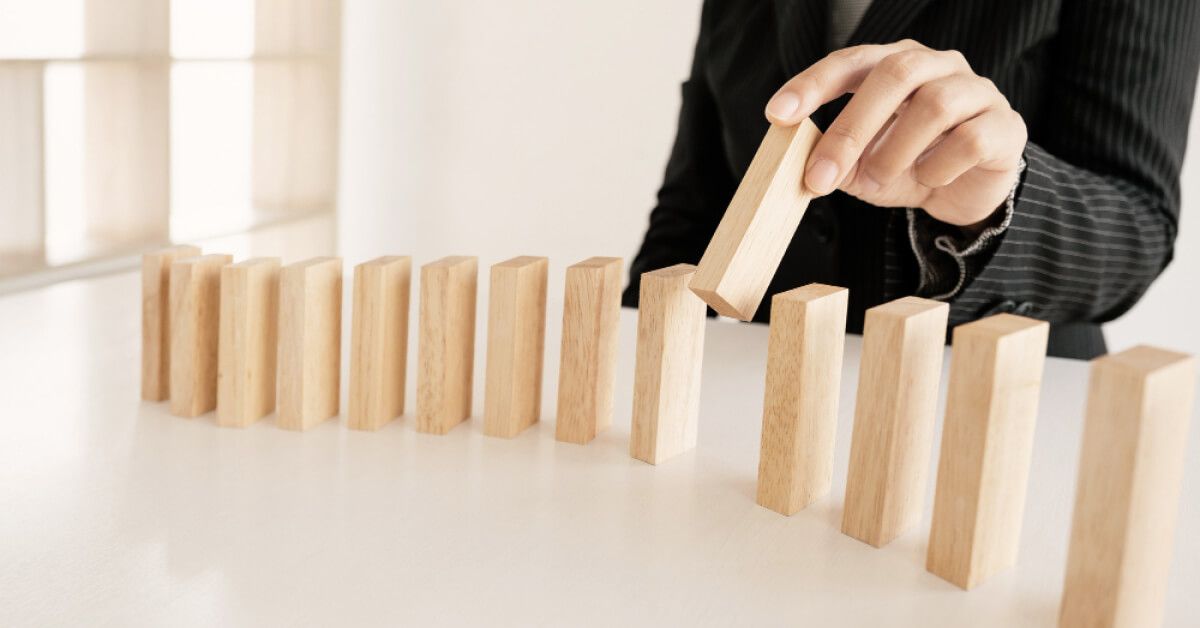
(670, 354)
(1127, 494)
(248, 341)
(446, 343)
(987, 443)
(516, 346)
(379, 341)
(750, 240)
(587, 361)
(195, 318)
(156, 319)
(903, 343)
(310, 342)
(800, 407)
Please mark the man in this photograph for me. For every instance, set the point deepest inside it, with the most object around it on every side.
(1001, 155)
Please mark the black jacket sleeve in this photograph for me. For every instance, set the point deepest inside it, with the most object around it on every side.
(697, 184)
(1097, 211)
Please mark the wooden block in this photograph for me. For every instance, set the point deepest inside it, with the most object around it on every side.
(670, 352)
(310, 342)
(1127, 495)
(379, 341)
(195, 318)
(987, 442)
(156, 327)
(446, 343)
(800, 409)
(588, 361)
(745, 251)
(516, 344)
(903, 343)
(249, 329)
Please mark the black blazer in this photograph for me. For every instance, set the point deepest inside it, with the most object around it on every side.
(1105, 87)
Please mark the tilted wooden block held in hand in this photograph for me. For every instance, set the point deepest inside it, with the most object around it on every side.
(670, 352)
(446, 343)
(516, 346)
(379, 341)
(588, 360)
(310, 342)
(195, 320)
(987, 441)
(745, 251)
(156, 325)
(248, 345)
(800, 408)
(903, 343)
(1127, 495)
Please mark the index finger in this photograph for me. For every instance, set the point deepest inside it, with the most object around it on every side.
(840, 72)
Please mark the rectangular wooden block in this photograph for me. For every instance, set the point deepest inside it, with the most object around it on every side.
(800, 408)
(1127, 495)
(156, 327)
(901, 364)
(310, 342)
(195, 318)
(588, 360)
(670, 353)
(750, 240)
(379, 341)
(446, 343)
(249, 330)
(516, 344)
(987, 442)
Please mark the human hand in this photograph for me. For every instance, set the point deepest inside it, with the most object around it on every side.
(922, 130)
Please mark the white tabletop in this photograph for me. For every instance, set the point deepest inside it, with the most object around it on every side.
(113, 512)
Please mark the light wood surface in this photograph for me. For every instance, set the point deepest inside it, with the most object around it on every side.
(156, 325)
(903, 342)
(804, 368)
(379, 341)
(1127, 493)
(751, 238)
(987, 440)
(670, 353)
(248, 341)
(446, 343)
(195, 318)
(587, 363)
(516, 346)
(310, 342)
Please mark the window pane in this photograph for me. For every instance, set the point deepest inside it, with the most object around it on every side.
(41, 28)
(212, 28)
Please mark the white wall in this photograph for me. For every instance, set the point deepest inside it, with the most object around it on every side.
(542, 127)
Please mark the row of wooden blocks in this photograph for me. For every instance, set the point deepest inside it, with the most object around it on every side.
(250, 338)
(1138, 409)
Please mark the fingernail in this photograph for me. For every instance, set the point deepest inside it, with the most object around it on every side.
(783, 106)
(822, 176)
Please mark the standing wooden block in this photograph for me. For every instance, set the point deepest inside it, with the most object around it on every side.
(195, 319)
(310, 342)
(516, 343)
(804, 372)
(903, 343)
(156, 327)
(446, 344)
(987, 442)
(1127, 494)
(588, 361)
(750, 240)
(670, 352)
(249, 327)
(379, 341)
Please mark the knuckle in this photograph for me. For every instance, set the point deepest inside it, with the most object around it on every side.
(957, 57)
(902, 66)
(808, 83)
(973, 140)
(937, 101)
(845, 136)
(924, 175)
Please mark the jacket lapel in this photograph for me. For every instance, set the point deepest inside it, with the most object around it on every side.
(885, 21)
